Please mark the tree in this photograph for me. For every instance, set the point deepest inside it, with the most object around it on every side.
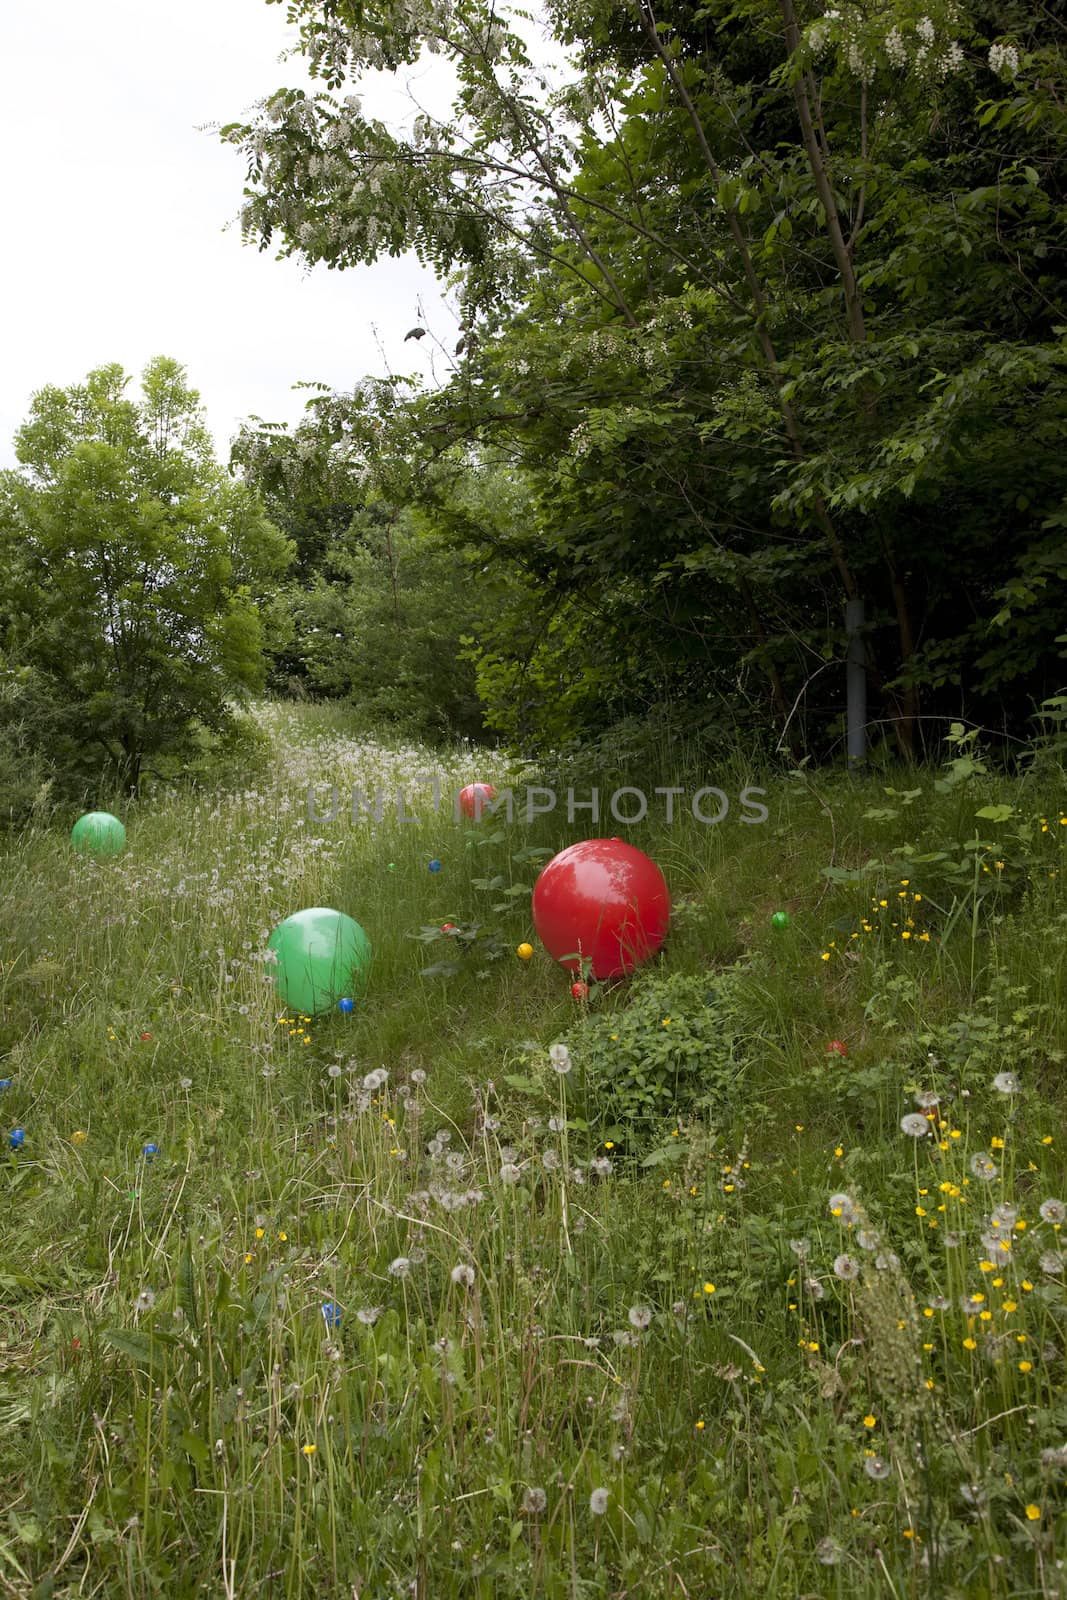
(386, 599)
(137, 569)
(767, 301)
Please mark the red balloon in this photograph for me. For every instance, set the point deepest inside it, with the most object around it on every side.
(837, 1047)
(580, 991)
(447, 927)
(604, 902)
(474, 797)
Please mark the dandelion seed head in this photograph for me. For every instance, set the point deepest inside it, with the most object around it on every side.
(598, 1502)
(846, 1267)
(560, 1057)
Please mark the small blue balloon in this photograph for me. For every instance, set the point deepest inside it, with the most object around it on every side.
(332, 1313)
(346, 1006)
(5, 1083)
(17, 1138)
(149, 1150)
(435, 866)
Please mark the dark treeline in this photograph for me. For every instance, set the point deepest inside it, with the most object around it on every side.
(762, 309)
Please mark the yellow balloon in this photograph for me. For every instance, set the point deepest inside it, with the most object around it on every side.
(524, 952)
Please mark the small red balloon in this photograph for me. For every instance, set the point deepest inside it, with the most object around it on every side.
(145, 1037)
(580, 991)
(837, 1047)
(474, 797)
(447, 927)
(602, 902)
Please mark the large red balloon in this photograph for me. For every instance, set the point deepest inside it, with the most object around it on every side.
(601, 901)
(474, 797)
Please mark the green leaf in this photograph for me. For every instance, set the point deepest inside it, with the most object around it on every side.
(145, 1349)
(515, 1080)
(186, 1288)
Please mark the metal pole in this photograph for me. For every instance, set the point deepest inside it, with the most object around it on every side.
(856, 685)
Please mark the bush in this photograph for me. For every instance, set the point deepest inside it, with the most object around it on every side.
(677, 1049)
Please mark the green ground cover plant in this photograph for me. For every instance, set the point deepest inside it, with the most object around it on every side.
(481, 1291)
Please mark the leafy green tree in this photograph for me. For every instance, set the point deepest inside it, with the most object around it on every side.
(384, 607)
(766, 301)
(139, 567)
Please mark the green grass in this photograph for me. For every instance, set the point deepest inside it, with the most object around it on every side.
(178, 1418)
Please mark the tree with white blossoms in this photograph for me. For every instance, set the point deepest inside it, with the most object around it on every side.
(790, 275)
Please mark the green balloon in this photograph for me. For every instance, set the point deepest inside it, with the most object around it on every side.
(780, 919)
(323, 956)
(99, 833)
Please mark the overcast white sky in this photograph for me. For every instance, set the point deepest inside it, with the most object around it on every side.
(115, 209)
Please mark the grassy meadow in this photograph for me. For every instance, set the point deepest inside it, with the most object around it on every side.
(409, 1303)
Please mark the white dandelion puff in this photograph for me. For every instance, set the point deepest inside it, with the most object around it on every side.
(915, 1125)
(1053, 1211)
(846, 1267)
(1006, 1083)
(598, 1502)
(560, 1058)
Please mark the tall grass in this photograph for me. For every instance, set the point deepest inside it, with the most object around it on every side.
(393, 1311)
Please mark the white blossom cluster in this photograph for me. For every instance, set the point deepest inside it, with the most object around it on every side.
(1004, 60)
(925, 47)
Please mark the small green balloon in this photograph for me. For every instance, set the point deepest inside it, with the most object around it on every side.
(99, 833)
(391, 867)
(780, 919)
(323, 956)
